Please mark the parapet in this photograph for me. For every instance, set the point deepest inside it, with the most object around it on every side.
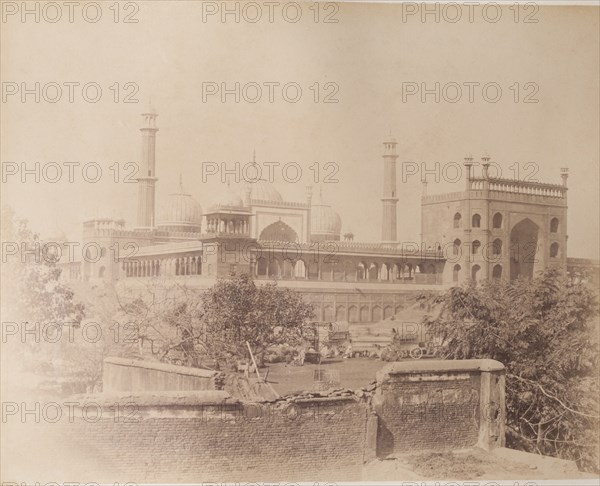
(131, 375)
(439, 366)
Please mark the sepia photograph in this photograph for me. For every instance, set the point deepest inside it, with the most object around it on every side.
(300, 242)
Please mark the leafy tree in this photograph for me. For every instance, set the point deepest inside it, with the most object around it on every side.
(545, 331)
(210, 329)
(34, 298)
(236, 311)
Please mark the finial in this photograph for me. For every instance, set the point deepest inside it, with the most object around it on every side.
(181, 183)
(150, 109)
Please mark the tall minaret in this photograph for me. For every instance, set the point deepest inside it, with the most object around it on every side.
(147, 180)
(389, 199)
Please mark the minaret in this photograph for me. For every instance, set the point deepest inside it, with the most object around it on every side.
(147, 180)
(250, 179)
(389, 199)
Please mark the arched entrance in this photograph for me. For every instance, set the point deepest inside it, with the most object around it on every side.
(523, 242)
(278, 231)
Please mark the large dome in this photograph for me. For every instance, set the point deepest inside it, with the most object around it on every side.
(228, 199)
(261, 189)
(325, 223)
(264, 191)
(181, 213)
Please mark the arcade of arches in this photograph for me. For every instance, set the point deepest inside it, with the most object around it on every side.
(280, 266)
(354, 307)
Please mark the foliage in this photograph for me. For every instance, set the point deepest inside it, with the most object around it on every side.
(210, 329)
(545, 331)
(35, 299)
(237, 311)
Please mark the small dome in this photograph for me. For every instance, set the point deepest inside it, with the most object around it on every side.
(181, 211)
(228, 199)
(325, 223)
(390, 139)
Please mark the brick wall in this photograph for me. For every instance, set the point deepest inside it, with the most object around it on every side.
(439, 405)
(293, 441)
(209, 436)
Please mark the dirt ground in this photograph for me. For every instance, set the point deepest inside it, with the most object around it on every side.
(471, 464)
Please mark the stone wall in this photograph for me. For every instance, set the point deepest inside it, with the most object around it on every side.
(129, 375)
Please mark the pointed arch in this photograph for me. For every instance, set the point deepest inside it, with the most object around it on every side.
(278, 231)
(457, 220)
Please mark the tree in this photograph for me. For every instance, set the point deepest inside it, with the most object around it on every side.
(545, 331)
(236, 311)
(35, 299)
(210, 329)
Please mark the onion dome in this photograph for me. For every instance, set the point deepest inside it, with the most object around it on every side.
(262, 190)
(325, 223)
(228, 199)
(181, 213)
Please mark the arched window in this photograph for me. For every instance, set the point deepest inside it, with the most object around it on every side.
(554, 250)
(373, 272)
(101, 272)
(300, 269)
(475, 247)
(497, 220)
(476, 221)
(361, 271)
(497, 247)
(474, 271)
(456, 247)
(457, 218)
(456, 273)
(497, 271)
(554, 225)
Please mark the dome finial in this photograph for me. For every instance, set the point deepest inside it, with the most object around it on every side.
(181, 183)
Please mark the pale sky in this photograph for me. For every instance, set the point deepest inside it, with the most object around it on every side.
(369, 53)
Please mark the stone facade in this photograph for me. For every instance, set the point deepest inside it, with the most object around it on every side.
(498, 228)
(495, 228)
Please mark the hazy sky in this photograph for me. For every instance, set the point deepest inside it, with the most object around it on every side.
(368, 55)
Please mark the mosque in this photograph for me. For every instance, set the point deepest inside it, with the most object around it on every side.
(494, 228)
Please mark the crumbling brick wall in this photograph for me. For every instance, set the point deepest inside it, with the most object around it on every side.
(313, 439)
(209, 436)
